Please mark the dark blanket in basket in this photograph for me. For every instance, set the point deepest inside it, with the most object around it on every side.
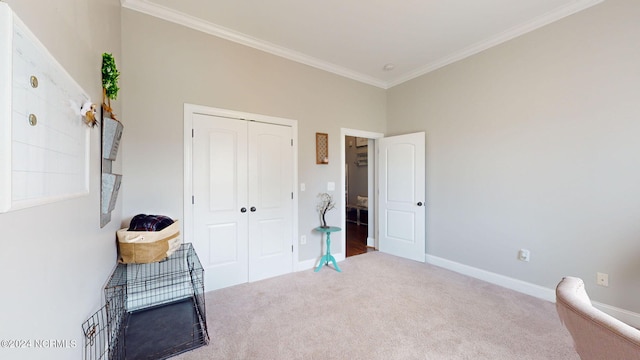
(142, 222)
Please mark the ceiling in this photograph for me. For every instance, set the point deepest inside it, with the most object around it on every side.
(357, 38)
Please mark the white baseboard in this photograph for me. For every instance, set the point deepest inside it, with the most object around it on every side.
(501, 280)
(371, 242)
(628, 317)
(524, 287)
(312, 263)
(306, 265)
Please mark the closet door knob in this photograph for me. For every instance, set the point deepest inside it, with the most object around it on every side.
(253, 209)
(243, 210)
(419, 203)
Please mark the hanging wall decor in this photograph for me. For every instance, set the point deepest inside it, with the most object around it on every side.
(111, 134)
(110, 87)
(322, 148)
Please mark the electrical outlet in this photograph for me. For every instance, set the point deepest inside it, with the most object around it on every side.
(303, 239)
(524, 255)
(602, 279)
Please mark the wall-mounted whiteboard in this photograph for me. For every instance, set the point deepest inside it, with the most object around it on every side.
(44, 143)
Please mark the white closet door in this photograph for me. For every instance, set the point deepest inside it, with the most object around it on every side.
(270, 200)
(220, 194)
(243, 206)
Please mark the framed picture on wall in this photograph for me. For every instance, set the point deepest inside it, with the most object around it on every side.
(360, 142)
(322, 148)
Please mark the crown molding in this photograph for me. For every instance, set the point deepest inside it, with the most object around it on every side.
(165, 13)
(198, 24)
(503, 37)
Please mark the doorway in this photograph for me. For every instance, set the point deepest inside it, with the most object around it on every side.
(396, 208)
(358, 210)
(356, 195)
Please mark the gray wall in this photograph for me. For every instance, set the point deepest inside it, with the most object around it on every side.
(534, 144)
(55, 258)
(530, 144)
(167, 65)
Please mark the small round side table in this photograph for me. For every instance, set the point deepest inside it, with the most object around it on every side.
(328, 257)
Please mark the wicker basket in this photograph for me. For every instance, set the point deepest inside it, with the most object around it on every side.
(143, 247)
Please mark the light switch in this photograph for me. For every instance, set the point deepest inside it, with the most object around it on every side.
(302, 187)
(331, 186)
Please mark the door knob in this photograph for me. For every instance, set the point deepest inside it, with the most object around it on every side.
(253, 209)
(419, 203)
(243, 210)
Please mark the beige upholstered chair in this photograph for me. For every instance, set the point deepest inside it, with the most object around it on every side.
(595, 334)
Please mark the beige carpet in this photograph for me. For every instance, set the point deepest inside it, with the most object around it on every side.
(380, 307)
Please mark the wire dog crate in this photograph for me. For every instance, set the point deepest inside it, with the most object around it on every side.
(152, 311)
(104, 330)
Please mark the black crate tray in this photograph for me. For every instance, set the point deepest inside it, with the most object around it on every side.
(163, 331)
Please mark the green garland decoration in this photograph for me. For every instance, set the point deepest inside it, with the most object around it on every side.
(110, 76)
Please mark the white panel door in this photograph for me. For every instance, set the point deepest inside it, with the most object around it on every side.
(243, 206)
(220, 194)
(270, 201)
(402, 192)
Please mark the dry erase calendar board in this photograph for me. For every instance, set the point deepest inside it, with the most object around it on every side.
(44, 143)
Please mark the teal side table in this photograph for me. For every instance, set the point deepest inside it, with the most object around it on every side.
(328, 257)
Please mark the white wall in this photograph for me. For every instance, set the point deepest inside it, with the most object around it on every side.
(166, 65)
(535, 144)
(55, 258)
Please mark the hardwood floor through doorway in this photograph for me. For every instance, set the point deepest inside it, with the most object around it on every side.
(357, 239)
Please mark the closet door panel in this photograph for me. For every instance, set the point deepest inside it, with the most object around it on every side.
(220, 193)
(270, 194)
